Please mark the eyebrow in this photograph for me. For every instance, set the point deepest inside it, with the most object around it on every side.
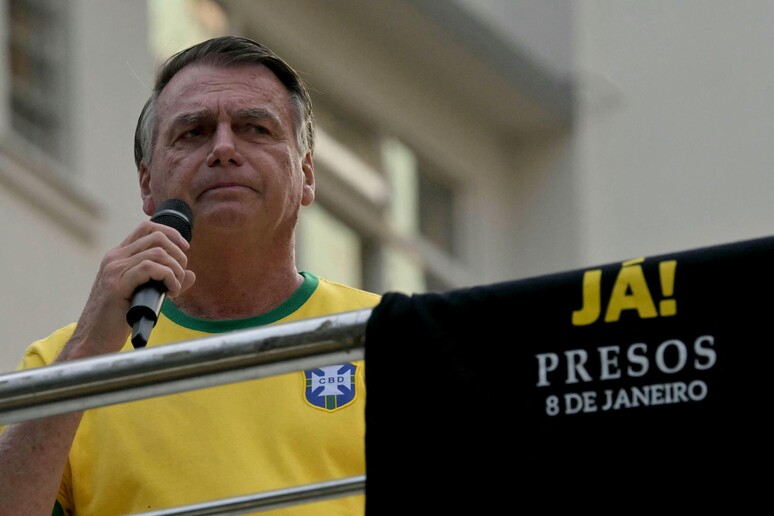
(197, 117)
(191, 118)
(253, 114)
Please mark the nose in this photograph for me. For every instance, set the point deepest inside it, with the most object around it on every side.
(224, 148)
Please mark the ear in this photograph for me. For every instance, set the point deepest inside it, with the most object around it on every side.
(307, 167)
(148, 204)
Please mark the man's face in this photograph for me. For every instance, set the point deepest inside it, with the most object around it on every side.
(226, 145)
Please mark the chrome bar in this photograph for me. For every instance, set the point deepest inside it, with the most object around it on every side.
(266, 500)
(156, 371)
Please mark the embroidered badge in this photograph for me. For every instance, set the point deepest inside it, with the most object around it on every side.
(330, 387)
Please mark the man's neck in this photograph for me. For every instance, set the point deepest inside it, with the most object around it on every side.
(237, 300)
(239, 283)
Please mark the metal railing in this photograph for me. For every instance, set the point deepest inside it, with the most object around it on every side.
(157, 371)
(270, 499)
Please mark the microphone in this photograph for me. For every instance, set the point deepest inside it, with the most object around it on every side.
(147, 299)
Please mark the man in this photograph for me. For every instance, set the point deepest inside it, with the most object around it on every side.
(229, 130)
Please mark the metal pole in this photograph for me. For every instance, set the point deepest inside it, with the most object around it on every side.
(349, 486)
(156, 371)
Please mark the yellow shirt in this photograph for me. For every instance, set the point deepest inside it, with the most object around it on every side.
(230, 440)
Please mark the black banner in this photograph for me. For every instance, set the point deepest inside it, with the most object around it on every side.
(632, 385)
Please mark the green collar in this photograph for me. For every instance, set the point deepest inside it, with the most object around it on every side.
(293, 303)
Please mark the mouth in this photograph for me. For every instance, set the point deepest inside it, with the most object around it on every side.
(225, 188)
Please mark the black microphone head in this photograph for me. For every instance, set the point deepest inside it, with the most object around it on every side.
(175, 214)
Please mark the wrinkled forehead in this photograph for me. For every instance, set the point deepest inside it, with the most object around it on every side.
(217, 88)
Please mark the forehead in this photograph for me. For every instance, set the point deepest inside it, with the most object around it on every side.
(222, 89)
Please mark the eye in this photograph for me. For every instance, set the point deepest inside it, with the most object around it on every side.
(191, 133)
(259, 129)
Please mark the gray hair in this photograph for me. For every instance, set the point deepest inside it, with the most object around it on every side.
(226, 51)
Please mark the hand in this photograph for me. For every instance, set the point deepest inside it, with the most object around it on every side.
(151, 251)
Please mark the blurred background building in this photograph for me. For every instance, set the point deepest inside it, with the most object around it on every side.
(461, 142)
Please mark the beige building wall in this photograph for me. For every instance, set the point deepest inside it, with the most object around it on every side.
(673, 145)
(53, 232)
(669, 146)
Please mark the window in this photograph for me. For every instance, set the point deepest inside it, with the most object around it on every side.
(381, 210)
(422, 213)
(436, 209)
(37, 46)
(436, 214)
(332, 249)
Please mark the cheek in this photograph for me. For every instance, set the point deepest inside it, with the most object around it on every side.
(172, 169)
(162, 181)
(173, 161)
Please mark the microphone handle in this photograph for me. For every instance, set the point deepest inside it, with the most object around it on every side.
(146, 305)
(147, 299)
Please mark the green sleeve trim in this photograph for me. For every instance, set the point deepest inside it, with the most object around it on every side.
(293, 303)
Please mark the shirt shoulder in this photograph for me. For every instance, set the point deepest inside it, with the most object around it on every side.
(340, 290)
(44, 351)
(331, 297)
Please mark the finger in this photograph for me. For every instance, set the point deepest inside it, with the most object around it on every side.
(173, 234)
(188, 281)
(155, 264)
(162, 239)
(149, 228)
